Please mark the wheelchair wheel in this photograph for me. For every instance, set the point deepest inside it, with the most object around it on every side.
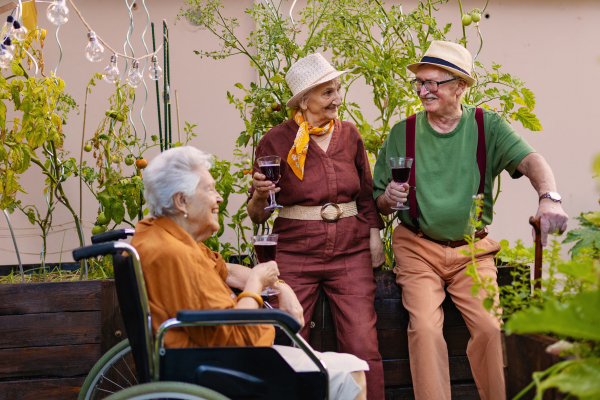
(167, 390)
(115, 371)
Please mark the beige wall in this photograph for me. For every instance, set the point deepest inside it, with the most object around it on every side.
(551, 45)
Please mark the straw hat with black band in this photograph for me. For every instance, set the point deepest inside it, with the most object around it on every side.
(449, 56)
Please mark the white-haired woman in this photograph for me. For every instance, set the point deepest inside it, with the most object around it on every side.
(329, 226)
(182, 273)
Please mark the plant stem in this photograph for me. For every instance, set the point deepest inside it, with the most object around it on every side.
(463, 27)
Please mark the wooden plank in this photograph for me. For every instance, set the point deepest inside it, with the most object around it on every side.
(46, 389)
(54, 329)
(30, 298)
(391, 314)
(393, 344)
(112, 327)
(526, 354)
(397, 372)
(58, 361)
(463, 391)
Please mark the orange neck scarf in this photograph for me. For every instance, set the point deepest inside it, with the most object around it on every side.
(297, 155)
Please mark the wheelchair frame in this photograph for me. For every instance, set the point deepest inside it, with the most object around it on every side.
(191, 318)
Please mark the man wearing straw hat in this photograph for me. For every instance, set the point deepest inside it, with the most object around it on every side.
(458, 151)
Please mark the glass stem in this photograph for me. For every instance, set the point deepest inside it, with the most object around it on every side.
(272, 196)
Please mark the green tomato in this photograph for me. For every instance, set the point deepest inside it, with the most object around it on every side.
(87, 148)
(466, 20)
(102, 219)
(268, 110)
(129, 160)
(120, 117)
(98, 229)
(274, 105)
(117, 159)
(476, 17)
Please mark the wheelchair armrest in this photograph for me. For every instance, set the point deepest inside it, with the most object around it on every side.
(234, 315)
(112, 235)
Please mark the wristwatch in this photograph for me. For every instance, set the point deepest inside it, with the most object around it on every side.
(555, 197)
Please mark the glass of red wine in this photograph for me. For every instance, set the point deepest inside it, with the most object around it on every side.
(400, 174)
(269, 166)
(265, 248)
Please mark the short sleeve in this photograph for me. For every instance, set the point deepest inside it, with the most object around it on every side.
(510, 148)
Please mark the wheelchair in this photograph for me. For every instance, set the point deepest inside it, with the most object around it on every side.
(210, 373)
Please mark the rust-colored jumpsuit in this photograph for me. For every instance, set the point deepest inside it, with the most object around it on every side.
(335, 256)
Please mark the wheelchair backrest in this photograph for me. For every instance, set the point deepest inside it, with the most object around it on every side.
(135, 311)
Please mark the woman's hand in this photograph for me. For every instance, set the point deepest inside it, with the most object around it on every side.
(262, 186)
(377, 252)
(266, 273)
(289, 302)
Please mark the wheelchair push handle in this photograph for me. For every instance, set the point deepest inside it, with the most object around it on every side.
(94, 250)
(110, 236)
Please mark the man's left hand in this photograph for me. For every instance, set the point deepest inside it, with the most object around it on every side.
(289, 302)
(552, 218)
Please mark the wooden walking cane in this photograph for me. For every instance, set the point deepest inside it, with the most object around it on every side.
(537, 269)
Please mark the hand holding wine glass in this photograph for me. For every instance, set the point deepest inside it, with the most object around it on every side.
(270, 167)
(265, 248)
(401, 167)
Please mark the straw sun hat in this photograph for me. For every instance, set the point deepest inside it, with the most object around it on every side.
(449, 56)
(307, 73)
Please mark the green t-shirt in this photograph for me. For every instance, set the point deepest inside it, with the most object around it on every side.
(447, 173)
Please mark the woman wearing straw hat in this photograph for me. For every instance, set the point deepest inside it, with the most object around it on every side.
(329, 225)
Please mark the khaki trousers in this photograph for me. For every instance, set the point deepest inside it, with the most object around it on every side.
(423, 269)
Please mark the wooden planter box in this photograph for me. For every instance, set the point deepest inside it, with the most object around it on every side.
(524, 355)
(52, 334)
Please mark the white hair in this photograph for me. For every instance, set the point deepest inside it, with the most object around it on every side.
(176, 170)
(306, 96)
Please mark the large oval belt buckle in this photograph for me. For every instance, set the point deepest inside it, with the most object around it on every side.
(325, 218)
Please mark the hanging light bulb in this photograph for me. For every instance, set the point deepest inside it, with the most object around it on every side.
(94, 50)
(8, 26)
(135, 77)
(155, 71)
(111, 72)
(57, 12)
(5, 57)
(19, 32)
(8, 45)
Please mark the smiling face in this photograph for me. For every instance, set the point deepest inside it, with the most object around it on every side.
(447, 98)
(323, 103)
(202, 208)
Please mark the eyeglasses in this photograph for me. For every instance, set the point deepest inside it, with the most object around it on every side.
(431, 86)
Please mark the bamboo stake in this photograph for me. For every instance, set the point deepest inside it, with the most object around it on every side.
(178, 124)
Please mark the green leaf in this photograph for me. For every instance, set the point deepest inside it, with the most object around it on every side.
(585, 238)
(2, 115)
(581, 378)
(529, 98)
(118, 212)
(276, 79)
(528, 119)
(577, 318)
(16, 69)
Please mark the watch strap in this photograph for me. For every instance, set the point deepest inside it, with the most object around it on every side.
(548, 196)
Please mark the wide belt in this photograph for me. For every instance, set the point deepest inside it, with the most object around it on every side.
(329, 212)
(480, 234)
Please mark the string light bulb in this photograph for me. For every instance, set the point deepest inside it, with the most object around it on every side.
(135, 77)
(94, 50)
(111, 72)
(57, 12)
(5, 57)
(155, 71)
(8, 45)
(8, 26)
(19, 31)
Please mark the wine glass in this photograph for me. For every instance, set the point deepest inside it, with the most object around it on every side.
(400, 174)
(265, 248)
(269, 166)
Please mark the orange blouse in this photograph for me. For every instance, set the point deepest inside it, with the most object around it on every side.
(181, 274)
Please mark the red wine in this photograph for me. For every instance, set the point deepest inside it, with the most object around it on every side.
(265, 251)
(400, 175)
(271, 171)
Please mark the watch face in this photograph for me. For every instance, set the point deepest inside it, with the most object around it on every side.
(554, 196)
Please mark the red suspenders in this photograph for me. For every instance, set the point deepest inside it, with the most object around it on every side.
(410, 152)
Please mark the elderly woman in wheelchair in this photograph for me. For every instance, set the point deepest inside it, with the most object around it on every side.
(181, 273)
